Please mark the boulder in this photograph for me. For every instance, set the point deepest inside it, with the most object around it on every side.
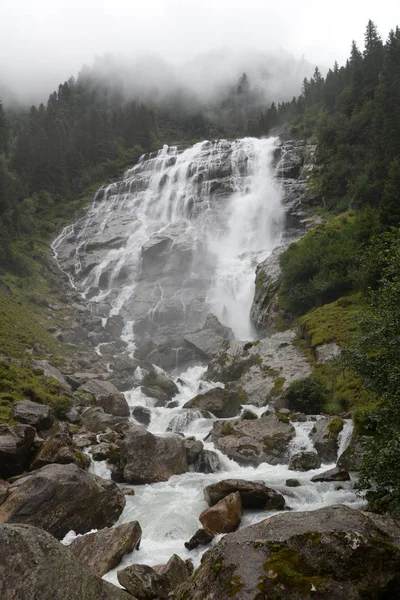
(16, 448)
(327, 352)
(292, 483)
(106, 396)
(39, 416)
(180, 422)
(147, 458)
(50, 371)
(264, 308)
(157, 380)
(142, 415)
(59, 448)
(59, 498)
(253, 494)
(105, 451)
(253, 442)
(333, 552)
(84, 440)
(325, 435)
(4, 486)
(202, 537)
(248, 415)
(96, 420)
(176, 571)
(334, 474)
(33, 564)
(143, 582)
(224, 516)
(222, 403)
(207, 462)
(161, 397)
(304, 461)
(123, 362)
(102, 551)
(193, 449)
(352, 458)
(210, 339)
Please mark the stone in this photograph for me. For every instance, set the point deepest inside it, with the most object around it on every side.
(140, 456)
(39, 416)
(105, 451)
(33, 564)
(59, 498)
(333, 552)
(325, 435)
(202, 537)
(142, 415)
(157, 380)
(327, 352)
(4, 485)
(73, 416)
(254, 442)
(16, 449)
(248, 415)
(84, 440)
(102, 551)
(222, 403)
(352, 458)
(334, 474)
(161, 397)
(292, 483)
(179, 423)
(298, 417)
(143, 582)
(304, 461)
(224, 516)
(50, 371)
(206, 462)
(253, 494)
(210, 339)
(123, 362)
(193, 449)
(106, 396)
(96, 420)
(176, 571)
(59, 448)
(264, 308)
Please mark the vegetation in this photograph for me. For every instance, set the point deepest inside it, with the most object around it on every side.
(306, 395)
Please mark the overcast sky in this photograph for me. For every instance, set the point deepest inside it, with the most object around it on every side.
(43, 42)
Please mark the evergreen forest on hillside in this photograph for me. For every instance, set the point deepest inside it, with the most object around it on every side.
(52, 157)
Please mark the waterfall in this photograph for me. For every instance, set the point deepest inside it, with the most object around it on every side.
(180, 236)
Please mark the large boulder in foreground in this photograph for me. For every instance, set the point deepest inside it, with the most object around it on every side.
(253, 494)
(334, 553)
(39, 416)
(59, 498)
(16, 448)
(102, 551)
(222, 403)
(224, 516)
(253, 442)
(33, 565)
(148, 458)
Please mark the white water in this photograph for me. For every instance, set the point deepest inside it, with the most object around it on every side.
(237, 230)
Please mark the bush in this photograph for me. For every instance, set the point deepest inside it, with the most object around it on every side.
(307, 395)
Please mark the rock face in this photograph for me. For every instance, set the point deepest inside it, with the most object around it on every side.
(39, 416)
(102, 551)
(253, 494)
(300, 555)
(224, 516)
(264, 309)
(222, 403)
(16, 448)
(325, 435)
(141, 453)
(211, 339)
(253, 442)
(35, 565)
(263, 369)
(305, 461)
(59, 498)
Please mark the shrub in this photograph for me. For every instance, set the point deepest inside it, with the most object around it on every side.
(307, 395)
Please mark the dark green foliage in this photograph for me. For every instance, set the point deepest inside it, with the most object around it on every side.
(307, 395)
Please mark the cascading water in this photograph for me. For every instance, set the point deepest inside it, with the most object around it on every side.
(178, 237)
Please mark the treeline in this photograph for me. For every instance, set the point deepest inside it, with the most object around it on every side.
(354, 116)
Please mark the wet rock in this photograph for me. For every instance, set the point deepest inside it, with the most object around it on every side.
(224, 516)
(102, 551)
(180, 423)
(325, 435)
(248, 415)
(140, 460)
(304, 461)
(142, 415)
(39, 416)
(207, 462)
(211, 339)
(143, 582)
(264, 309)
(334, 474)
(59, 448)
(193, 449)
(96, 420)
(292, 483)
(16, 448)
(59, 498)
(253, 442)
(157, 380)
(202, 537)
(222, 403)
(352, 458)
(34, 564)
(107, 396)
(253, 494)
(105, 451)
(161, 397)
(298, 417)
(328, 552)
